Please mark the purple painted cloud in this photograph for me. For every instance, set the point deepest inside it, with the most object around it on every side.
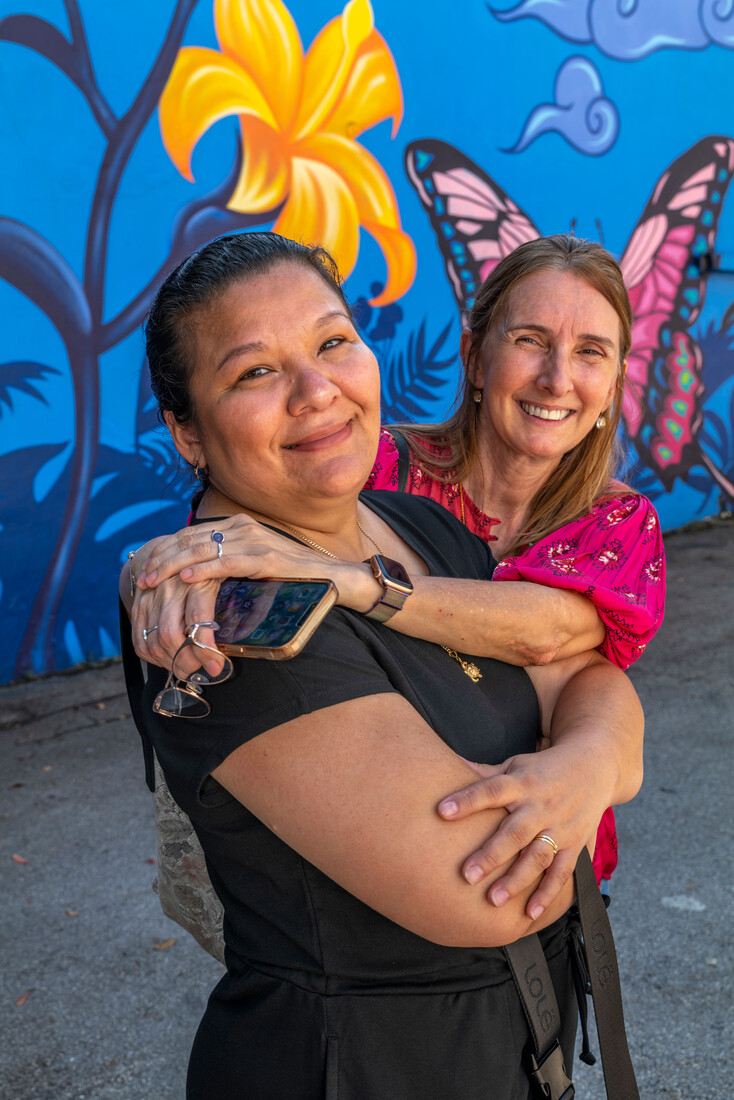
(632, 29)
(581, 112)
(570, 20)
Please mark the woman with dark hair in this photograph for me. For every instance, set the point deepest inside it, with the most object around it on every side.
(360, 964)
(534, 441)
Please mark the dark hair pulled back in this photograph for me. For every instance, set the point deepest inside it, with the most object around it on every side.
(194, 284)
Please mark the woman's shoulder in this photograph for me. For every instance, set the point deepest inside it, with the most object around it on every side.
(622, 508)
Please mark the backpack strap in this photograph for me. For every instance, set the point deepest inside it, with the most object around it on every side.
(544, 1058)
(134, 684)
(601, 959)
(401, 446)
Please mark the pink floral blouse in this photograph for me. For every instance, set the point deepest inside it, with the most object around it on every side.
(613, 555)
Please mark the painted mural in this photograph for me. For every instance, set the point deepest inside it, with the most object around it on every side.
(419, 149)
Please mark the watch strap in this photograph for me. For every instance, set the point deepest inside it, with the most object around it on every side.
(395, 590)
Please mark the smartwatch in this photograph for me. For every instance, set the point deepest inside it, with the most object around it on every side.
(396, 588)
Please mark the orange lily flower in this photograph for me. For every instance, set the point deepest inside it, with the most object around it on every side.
(299, 117)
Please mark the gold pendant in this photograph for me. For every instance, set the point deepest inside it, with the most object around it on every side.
(469, 667)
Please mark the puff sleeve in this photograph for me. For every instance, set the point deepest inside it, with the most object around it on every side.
(614, 556)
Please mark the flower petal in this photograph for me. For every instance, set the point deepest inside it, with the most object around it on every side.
(203, 88)
(372, 92)
(321, 210)
(261, 36)
(265, 178)
(399, 253)
(364, 176)
(377, 207)
(329, 63)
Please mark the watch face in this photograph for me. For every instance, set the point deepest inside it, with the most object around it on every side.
(395, 571)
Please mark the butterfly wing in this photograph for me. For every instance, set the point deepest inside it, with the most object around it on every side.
(476, 223)
(663, 272)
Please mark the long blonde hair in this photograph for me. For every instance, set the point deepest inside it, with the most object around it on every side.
(449, 451)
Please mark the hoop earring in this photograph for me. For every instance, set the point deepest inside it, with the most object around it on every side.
(477, 397)
(601, 422)
(201, 473)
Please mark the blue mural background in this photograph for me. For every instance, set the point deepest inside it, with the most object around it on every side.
(575, 110)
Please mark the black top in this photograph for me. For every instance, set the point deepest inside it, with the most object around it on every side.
(324, 996)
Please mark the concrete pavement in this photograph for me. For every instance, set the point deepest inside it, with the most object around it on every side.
(110, 1005)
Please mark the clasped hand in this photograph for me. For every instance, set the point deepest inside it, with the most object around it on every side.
(543, 792)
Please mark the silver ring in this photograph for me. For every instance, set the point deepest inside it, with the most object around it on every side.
(548, 840)
(218, 537)
(147, 632)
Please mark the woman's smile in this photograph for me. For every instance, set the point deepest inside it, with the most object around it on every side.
(323, 439)
(541, 412)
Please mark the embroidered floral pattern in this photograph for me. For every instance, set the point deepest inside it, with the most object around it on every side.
(612, 554)
(618, 512)
(560, 557)
(385, 476)
(654, 569)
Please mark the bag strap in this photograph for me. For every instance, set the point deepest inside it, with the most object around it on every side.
(401, 446)
(134, 684)
(601, 958)
(544, 1059)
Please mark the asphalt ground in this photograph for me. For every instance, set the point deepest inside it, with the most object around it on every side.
(100, 994)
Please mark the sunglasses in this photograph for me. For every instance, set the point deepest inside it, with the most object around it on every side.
(181, 697)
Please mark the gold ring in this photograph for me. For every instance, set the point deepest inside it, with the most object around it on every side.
(548, 840)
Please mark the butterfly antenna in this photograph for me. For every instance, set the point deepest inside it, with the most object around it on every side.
(600, 231)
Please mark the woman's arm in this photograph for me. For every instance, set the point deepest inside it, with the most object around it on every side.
(597, 717)
(520, 623)
(595, 724)
(362, 809)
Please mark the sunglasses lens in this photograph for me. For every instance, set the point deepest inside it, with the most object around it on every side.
(176, 702)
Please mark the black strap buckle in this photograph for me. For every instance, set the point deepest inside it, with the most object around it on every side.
(549, 1075)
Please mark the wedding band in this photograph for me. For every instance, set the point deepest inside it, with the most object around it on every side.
(548, 840)
(147, 632)
(218, 537)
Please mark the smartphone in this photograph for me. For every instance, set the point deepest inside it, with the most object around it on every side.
(271, 618)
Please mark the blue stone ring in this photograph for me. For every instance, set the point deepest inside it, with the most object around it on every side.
(218, 537)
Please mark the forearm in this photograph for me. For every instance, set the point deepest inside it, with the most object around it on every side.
(516, 622)
(598, 719)
(362, 809)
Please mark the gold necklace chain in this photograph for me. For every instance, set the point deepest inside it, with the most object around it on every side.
(316, 546)
(469, 667)
(308, 541)
(368, 536)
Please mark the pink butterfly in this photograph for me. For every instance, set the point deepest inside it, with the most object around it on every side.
(477, 223)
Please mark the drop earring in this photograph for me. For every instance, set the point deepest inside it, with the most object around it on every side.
(477, 397)
(601, 422)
